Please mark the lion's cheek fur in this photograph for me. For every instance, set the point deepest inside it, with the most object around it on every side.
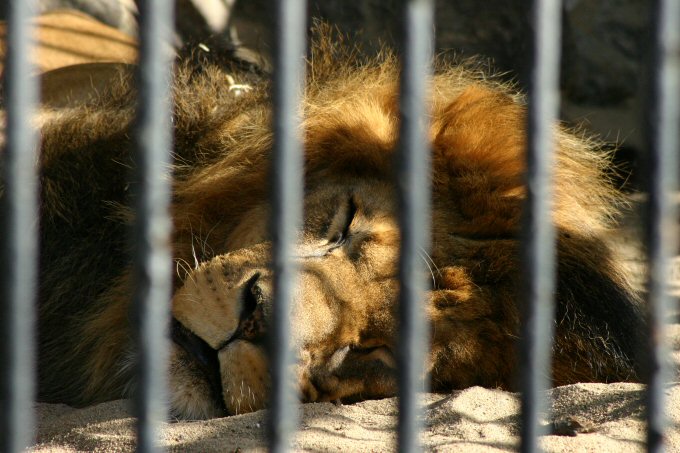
(207, 303)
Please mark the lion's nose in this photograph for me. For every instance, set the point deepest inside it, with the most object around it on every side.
(252, 325)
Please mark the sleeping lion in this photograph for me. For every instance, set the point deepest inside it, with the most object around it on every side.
(344, 317)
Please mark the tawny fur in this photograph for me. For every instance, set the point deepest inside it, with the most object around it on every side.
(350, 128)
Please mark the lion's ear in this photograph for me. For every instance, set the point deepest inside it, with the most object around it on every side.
(481, 131)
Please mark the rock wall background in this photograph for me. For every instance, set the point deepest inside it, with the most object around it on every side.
(604, 52)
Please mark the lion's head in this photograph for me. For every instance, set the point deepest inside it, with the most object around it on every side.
(344, 318)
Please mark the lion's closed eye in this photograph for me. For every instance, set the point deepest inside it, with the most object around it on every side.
(340, 229)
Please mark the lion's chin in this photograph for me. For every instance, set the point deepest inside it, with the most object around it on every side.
(207, 383)
(195, 387)
(244, 380)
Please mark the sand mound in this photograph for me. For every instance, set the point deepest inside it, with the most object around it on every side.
(587, 417)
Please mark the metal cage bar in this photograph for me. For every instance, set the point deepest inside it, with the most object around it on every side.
(413, 184)
(19, 232)
(661, 228)
(152, 227)
(286, 196)
(538, 240)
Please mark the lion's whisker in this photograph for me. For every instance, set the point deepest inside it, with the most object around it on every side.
(186, 267)
(192, 299)
(205, 241)
(193, 253)
(431, 261)
(193, 248)
(434, 280)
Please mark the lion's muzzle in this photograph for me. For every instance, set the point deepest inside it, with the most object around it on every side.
(227, 301)
(220, 322)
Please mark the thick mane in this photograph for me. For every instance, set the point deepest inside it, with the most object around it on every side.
(351, 120)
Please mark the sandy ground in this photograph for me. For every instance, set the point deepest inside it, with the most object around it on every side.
(586, 417)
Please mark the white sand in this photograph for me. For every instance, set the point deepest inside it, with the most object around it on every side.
(476, 420)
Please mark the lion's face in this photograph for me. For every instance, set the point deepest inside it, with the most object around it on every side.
(343, 316)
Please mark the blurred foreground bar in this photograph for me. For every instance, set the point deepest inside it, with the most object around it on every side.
(662, 213)
(414, 192)
(18, 232)
(153, 268)
(286, 193)
(538, 238)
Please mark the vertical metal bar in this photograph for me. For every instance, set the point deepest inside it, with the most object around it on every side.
(661, 228)
(152, 226)
(18, 230)
(287, 187)
(538, 241)
(413, 181)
